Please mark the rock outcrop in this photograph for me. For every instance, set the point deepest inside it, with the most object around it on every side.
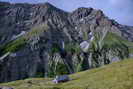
(45, 41)
(60, 79)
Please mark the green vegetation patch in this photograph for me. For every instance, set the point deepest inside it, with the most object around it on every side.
(55, 48)
(113, 38)
(71, 47)
(20, 42)
(58, 69)
(14, 45)
(37, 31)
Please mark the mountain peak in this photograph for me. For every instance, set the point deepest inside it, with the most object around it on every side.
(48, 4)
(4, 3)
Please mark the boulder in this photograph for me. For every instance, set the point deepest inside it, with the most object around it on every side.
(62, 78)
(115, 59)
(6, 88)
(131, 55)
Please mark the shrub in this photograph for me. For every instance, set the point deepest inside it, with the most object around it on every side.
(71, 47)
(59, 70)
(55, 48)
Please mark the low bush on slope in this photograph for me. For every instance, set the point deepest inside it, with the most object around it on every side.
(114, 76)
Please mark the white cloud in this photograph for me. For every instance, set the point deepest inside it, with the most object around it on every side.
(115, 2)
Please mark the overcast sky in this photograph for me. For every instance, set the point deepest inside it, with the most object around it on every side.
(120, 10)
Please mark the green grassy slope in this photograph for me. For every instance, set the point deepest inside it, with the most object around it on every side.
(116, 38)
(112, 38)
(20, 42)
(114, 76)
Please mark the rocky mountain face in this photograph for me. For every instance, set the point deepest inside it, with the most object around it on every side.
(42, 40)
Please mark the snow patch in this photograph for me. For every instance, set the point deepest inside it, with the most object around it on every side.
(81, 20)
(84, 46)
(4, 56)
(17, 36)
(92, 38)
(13, 54)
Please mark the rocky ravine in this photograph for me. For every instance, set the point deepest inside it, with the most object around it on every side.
(42, 40)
